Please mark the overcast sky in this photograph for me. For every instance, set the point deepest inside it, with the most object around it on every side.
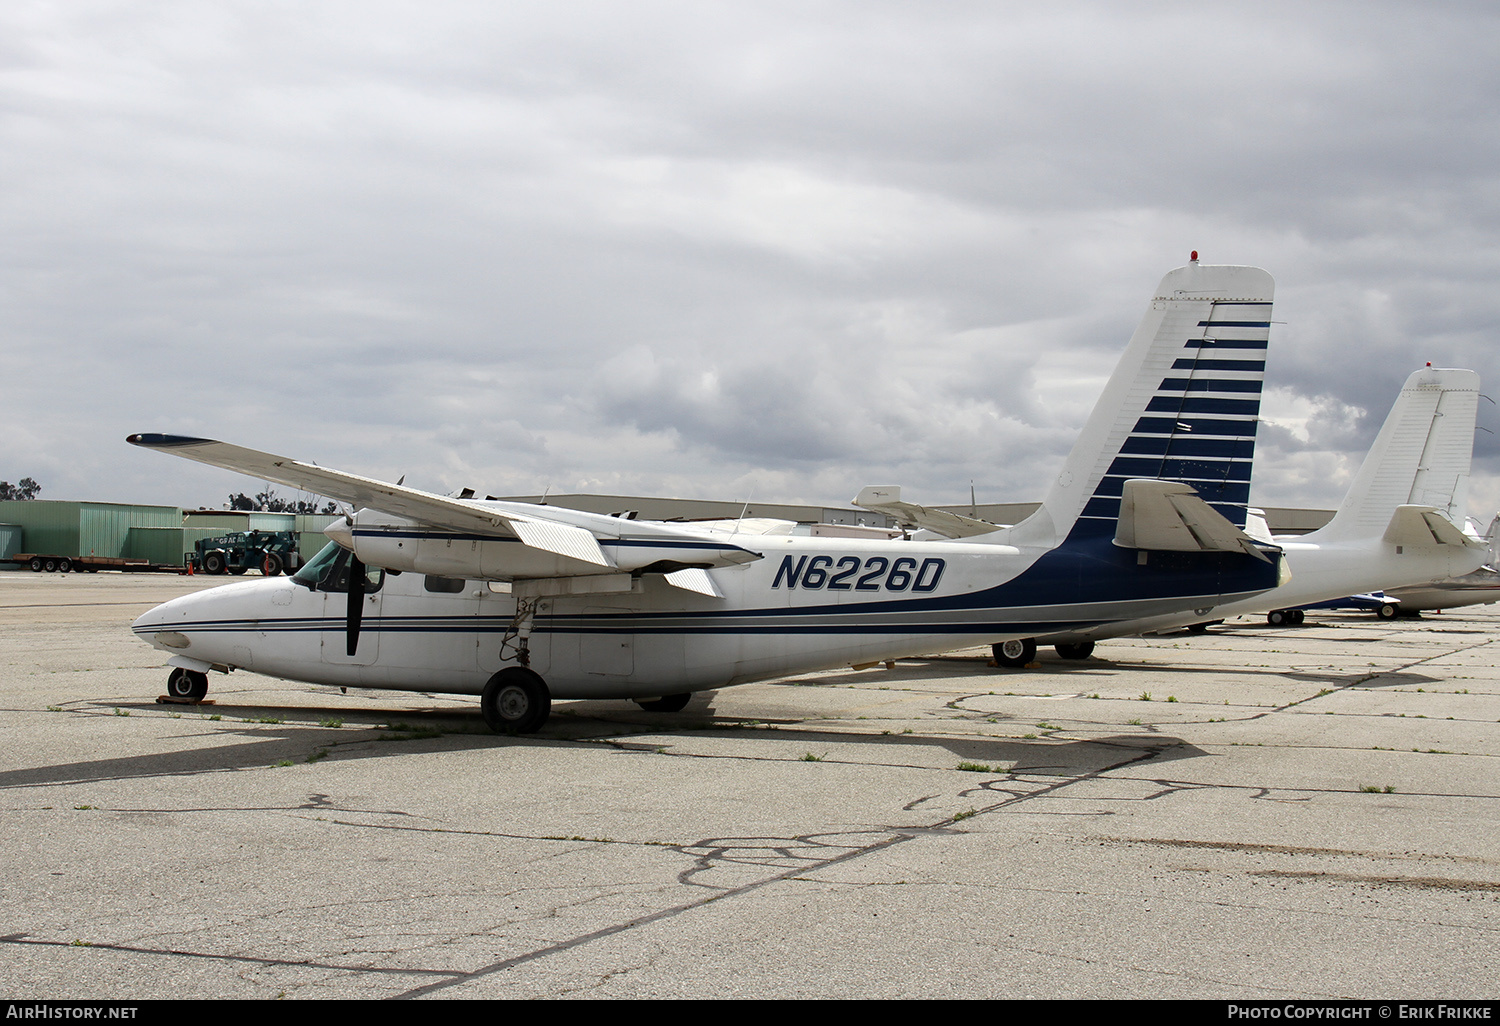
(719, 250)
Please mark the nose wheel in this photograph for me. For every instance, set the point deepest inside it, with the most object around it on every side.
(515, 701)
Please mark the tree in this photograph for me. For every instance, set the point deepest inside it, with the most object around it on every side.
(26, 489)
(268, 502)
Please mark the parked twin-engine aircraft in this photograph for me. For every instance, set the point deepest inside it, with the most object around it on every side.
(523, 603)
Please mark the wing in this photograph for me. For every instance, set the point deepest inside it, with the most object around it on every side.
(577, 540)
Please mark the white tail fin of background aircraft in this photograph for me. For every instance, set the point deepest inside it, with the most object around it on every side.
(1420, 457)
(1398, 524)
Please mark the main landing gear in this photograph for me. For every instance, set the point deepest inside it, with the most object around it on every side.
(1074, 649)
(1286, 617)
(1015, 653)
(515, 701)
(1021, 652)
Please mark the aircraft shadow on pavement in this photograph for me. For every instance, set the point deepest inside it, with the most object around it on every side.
(267, 744)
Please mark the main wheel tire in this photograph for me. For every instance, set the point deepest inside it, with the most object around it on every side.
(50, 566)
(515, 701)
(36, 564)
(1016, 653)
(272, 566)
(189, 684)
(1299, 617)
(1075, 649)
(1388, 611)
(214, 563)
(64, 565)
(666, 703)
(1276, 617)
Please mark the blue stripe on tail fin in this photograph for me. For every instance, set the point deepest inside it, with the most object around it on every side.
(1182, 405)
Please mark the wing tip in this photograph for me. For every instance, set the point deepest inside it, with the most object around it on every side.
(152, 440)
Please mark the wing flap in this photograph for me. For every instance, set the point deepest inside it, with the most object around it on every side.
(695, 580)
(562, 539)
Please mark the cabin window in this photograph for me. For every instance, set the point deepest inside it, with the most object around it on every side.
(329, 571)
(443, 585)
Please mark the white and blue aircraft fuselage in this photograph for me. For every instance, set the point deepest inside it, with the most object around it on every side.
(522, 603)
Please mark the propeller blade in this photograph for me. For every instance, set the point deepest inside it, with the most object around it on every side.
(356, 603)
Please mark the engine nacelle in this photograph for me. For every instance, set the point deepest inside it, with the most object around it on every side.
(397, 543)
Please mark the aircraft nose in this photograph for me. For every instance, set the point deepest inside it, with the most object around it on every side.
(148, 620)
(152, 627)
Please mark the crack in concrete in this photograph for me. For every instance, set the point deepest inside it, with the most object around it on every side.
(25, 939)
(1420, 882)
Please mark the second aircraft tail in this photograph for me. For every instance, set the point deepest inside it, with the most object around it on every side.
(1420, 458)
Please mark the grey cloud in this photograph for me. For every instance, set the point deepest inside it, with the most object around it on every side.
(902, 243)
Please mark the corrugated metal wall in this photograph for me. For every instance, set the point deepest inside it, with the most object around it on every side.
(83, 528)
(47, 526)
(104, 527)
(10, 540)
(155, 545)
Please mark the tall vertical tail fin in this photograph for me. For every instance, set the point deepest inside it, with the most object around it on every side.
(1182, 405)
(1421, 456)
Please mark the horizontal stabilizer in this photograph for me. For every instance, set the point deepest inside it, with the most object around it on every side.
(1169, 516)
(1425, 526)
(887, 499)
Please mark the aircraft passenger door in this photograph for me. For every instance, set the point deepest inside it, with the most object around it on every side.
(610, 654)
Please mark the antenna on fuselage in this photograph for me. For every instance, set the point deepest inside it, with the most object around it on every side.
(743, 510)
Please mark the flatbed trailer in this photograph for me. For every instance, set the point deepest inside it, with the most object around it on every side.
(39, 562)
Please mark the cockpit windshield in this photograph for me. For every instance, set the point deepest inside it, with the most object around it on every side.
(329, 571)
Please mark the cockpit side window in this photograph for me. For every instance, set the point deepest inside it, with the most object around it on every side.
(329, 571)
